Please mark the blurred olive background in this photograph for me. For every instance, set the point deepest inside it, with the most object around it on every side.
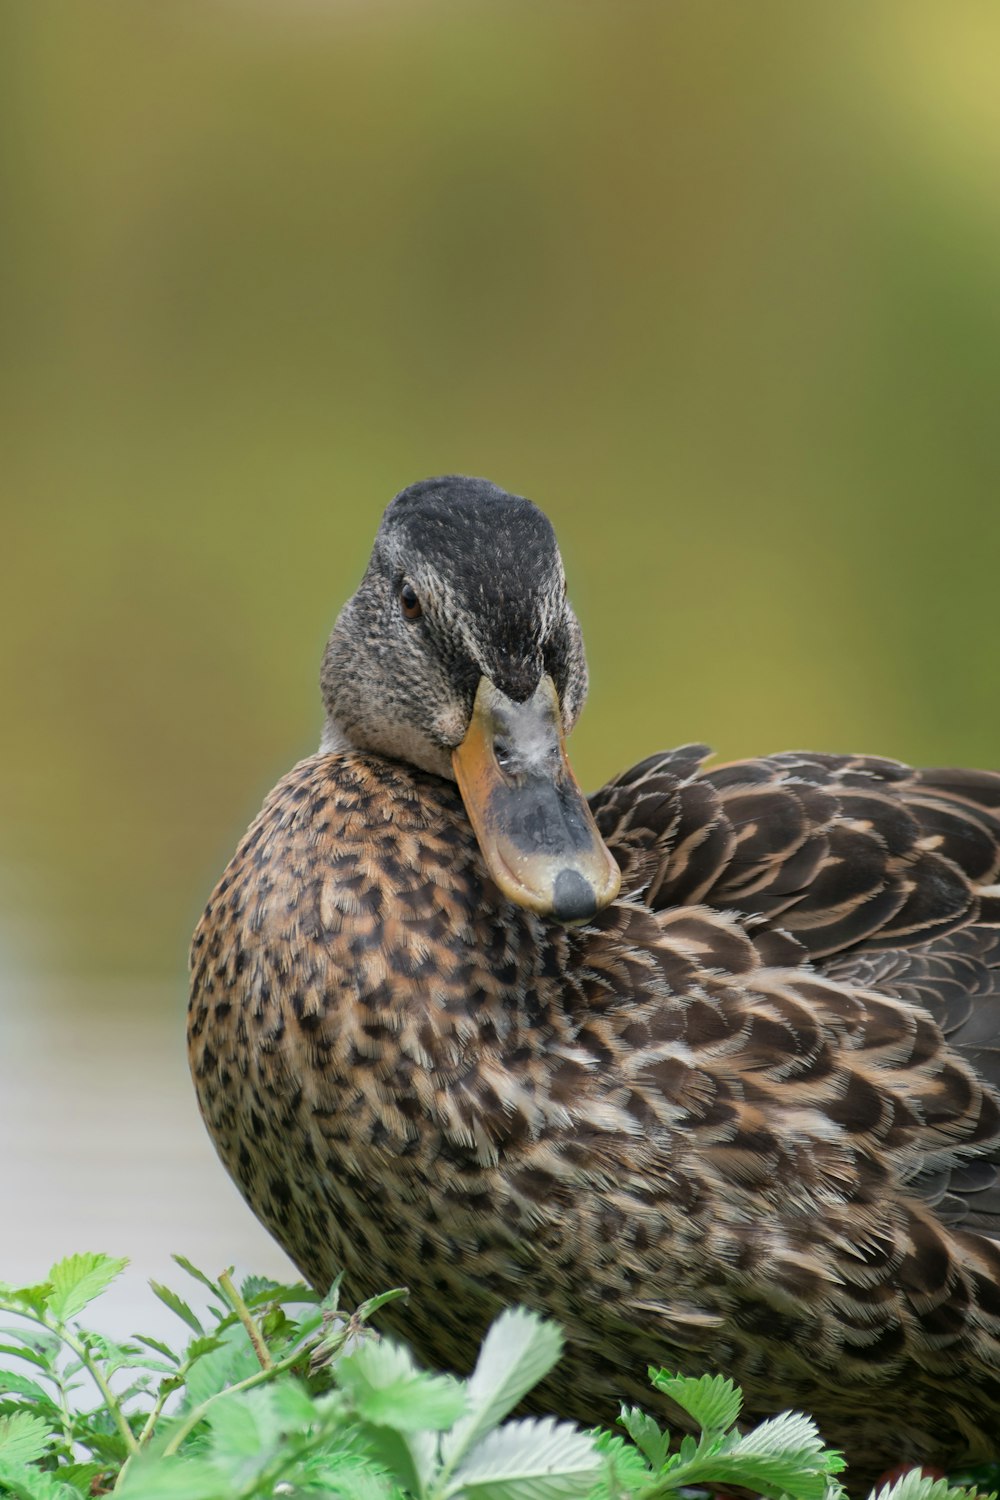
(716, 284)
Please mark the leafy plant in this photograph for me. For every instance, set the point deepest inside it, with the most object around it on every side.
(278, 1392)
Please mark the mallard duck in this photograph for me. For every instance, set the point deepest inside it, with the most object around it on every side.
(705, 1067)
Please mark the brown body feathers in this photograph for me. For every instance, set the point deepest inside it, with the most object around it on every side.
(746, 1120)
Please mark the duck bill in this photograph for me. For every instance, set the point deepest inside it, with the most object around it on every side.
(533, 825)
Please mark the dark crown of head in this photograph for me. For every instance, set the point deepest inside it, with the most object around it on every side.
(476, 531)
(499, 556)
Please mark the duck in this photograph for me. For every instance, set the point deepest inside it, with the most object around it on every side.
(704, 1066)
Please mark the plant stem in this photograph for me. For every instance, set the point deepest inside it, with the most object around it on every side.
(97, 1375)
(67, 1417)
(148, 1426)
(168, 1388)
(154, 1416)
(192, 1419)
(53, 1325)
(243, 1313)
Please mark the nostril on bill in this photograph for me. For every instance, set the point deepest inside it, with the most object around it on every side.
(573, 898)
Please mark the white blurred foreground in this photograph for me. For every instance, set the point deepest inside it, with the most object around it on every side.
(103, 1149)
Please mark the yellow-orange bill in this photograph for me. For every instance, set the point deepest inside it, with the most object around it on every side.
(532, 822)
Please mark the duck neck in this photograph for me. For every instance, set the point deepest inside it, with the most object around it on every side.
(334, 739)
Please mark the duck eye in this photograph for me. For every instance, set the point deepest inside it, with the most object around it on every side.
(409, 601)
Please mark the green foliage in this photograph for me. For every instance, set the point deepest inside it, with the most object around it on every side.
(713, 1402)
(278, 1392)
(918, 1486)
(782, 1456)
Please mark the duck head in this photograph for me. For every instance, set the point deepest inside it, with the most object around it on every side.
(461, 654)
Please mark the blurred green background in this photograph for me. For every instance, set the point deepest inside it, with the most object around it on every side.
(717, 284)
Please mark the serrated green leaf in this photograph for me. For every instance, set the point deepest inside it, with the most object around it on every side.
(34, 1297)
(915, 1485)
(25, 1482)
(371, 1305)
(628, 1470)
(177, 1305)
(242, 1429)
(78, 1279)
(247, 1428)
(277, 1327)
(410, 1457)
(114, 1355)
(647, 1434)
(790, 1433)
(192, 1270)
(23, 1438)
(25, 1352)
(141, 1386)
(771, 1475)
(517, 1352)
(164, 1349)
(41, 1339)
(81, 1476)
(233, 1360)
(294, 1408)
(690, 1446)
(390, 1391)
(783, 1456)
(257, 1288)
(172, 1479)
(109, 1446)
(342, 1474)
(712, 1401)
(199, 1347)
(146, 1362)
(529, 1460)
(261, 1289)
(330, 1303)
(12, 1384)
(377, 1364)
(308, 1324)
(431, 1401)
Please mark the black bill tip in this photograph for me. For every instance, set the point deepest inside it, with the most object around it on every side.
(573, 897)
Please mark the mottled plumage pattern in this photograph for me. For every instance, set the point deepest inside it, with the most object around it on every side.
(746, 1120)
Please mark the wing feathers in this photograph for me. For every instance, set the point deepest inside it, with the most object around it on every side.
(843, 852)
(886, 879)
